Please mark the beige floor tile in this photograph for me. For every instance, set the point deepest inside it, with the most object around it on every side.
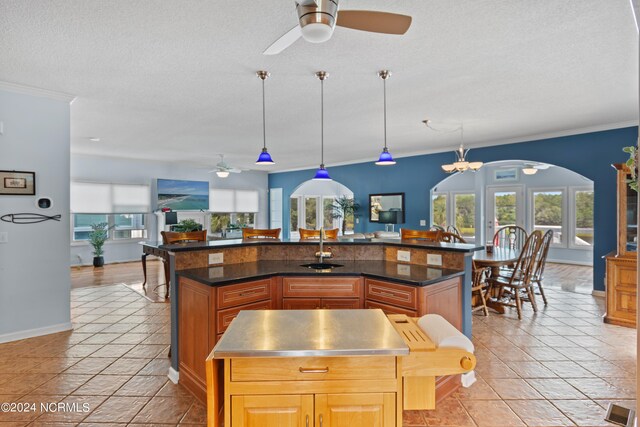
(126, 366)
(539, 413)
(555, 388)
(513, 389)
(582, 412)
(102, 385)
(117, 409)
(142, 385)
(63, 384)
(197, 414)
(77, 409)
(492, 413)
(164, 409)
(450, 413)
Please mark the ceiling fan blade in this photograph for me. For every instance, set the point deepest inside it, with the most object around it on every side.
(373, 21)
(285, 41)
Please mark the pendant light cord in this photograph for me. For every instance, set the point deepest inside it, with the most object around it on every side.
(384, 83)
(322, 122)
(264, 120)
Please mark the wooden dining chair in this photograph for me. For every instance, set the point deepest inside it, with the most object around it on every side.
(306, 234)
(261, 233)
(451, 238)
(432, 235)
(510, 237)
(453, 230)
(171, 237)
(541, 260)
(480, 288)
(519, 278)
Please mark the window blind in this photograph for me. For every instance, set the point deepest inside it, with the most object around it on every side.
(229, 201)
(91, 197)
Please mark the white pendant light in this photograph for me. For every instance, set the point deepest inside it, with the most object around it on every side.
(461, 164)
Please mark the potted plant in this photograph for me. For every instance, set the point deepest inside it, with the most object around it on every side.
(187, 225)
(342, 207)
(98, 235)
(632, 164)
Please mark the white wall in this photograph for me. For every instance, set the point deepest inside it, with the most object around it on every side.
(127, 171)
(34, 271)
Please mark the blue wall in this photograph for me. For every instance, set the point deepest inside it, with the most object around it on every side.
(590, 155)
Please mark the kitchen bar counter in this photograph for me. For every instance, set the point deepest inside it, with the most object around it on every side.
(415, 275)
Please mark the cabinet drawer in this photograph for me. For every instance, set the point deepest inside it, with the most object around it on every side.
(391, 293)
(224, 317)
(389, 309)
(313, 368)
(321, 287)
(301, 303)
(243, 293)
(341, 303)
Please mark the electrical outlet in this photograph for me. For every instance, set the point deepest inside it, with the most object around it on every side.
(434, 259)
(404, 256)
(216, 258)
(4, 237)
(357, 220)
(423, 222)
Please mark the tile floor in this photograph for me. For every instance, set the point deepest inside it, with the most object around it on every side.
(560, 367)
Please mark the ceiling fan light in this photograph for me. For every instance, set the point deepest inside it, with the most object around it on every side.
(475, 165)
(317, 32)
(322, 174)
(385, 158)
(222, 174)
(448, 168)
(265, 158)
(529, 170)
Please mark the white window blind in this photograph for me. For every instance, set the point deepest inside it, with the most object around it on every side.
(222, 201)
(90, 197)
(229, 201)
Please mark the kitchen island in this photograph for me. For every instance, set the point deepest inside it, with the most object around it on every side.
(217, 279)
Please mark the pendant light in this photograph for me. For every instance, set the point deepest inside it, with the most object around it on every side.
(264, 158)
(322, 173)
(385, 157)
(461, 164)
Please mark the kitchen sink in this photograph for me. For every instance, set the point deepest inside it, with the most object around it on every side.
(321, 265)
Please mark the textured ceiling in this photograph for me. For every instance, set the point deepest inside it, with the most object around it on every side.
(174, 80)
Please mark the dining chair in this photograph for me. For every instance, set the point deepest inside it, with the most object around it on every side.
(451, 238)
(541, 260)
(519, 278)
(453, 230)
(510, 237)
(432, 235)
(306, 234)
(436, 227)
(171, 237)
(261, 233)
(480, 288)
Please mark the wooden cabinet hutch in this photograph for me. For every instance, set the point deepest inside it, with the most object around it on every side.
(622, 283)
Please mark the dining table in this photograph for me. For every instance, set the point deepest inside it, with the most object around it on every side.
(497, 258)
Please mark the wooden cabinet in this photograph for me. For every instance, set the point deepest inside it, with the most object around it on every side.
(622, 283)
(355, 410)
(272, 410)
(308, 293)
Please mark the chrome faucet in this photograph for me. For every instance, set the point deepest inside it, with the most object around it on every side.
(321, 254)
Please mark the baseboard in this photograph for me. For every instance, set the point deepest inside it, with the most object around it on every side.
(599, 294)
(561, 261)
(124, 261)
(37, 332)
(174, 375)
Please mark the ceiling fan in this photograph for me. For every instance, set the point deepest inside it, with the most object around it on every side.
(223, 169)
(318, 18)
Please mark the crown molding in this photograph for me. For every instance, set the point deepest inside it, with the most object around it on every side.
(36, 91)
(481, 144)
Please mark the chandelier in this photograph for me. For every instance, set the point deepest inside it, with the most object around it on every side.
(461, 164)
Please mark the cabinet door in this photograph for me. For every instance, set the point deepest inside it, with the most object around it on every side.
(300, 303)
(280, 410)
(355, 410)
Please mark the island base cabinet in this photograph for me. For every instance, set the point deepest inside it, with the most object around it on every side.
(320, 410)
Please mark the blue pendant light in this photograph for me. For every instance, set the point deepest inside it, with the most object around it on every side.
(322, 174)
(264, 158)
(385, 157)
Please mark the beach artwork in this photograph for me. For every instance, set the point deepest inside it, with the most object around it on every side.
(181, 195)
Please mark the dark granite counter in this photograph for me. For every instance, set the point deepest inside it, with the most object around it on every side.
(416, 275)
(231, 243)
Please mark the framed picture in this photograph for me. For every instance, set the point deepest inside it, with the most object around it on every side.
(17, 183)
(510, 174)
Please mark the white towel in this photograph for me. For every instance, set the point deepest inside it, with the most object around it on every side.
(444, 334)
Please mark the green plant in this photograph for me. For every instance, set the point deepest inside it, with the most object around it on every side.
(98, 235)
(345, 208)
(187, 225)
(632, 164)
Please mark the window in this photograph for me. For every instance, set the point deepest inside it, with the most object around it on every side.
(328, 220)
(465, 215)
(583, 218)
(439, 210)
(506, 208)
(221, 221)
(548, 213)
(293, 214)
(121, 226)
(311, 216)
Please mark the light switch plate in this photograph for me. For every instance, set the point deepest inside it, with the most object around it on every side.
(4, 237)
(423, 222)
(216, 258)
(404, 256)
(434, 259)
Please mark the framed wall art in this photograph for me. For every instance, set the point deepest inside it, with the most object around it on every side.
(17, 183)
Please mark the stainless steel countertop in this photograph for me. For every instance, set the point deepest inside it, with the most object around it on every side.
(305, 333)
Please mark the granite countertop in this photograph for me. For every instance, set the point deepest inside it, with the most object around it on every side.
(416, 275)
(230, 243)
(278, 333)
